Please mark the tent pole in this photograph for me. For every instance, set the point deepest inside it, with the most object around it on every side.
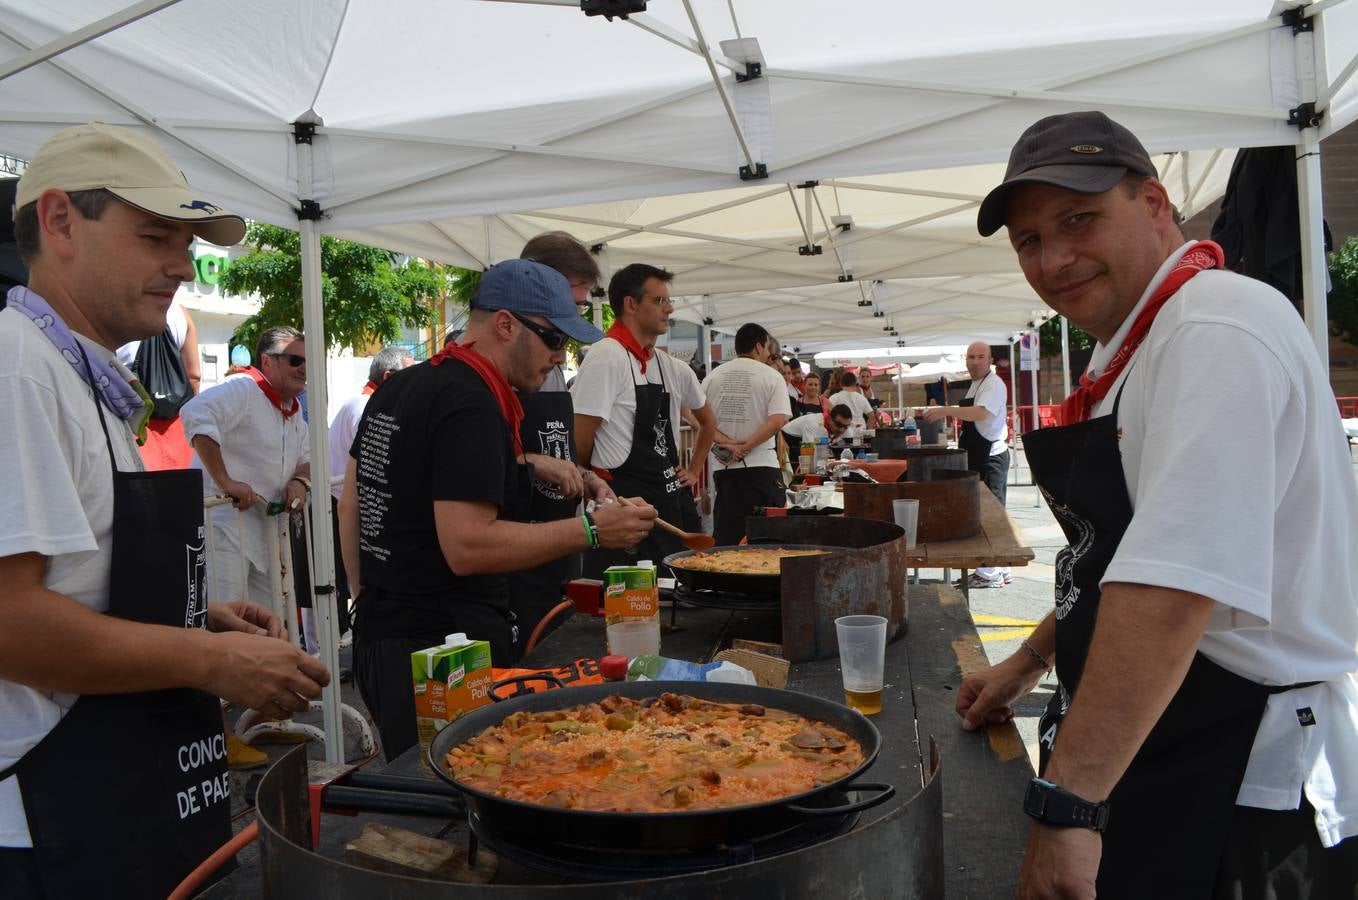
(1015, 426)
(90, 32)
(323, 560)
(1065, 357)
(900, 391)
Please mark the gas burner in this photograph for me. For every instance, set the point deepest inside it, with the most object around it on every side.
(584, 863)
(726, 599)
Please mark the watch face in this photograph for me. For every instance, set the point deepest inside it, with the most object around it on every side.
(1035, 798)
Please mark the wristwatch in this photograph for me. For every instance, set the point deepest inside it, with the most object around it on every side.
(1050, 804)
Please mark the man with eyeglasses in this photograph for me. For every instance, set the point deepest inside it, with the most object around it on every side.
(627, 399)
(432, 516)
(250, 440)
(814, 426)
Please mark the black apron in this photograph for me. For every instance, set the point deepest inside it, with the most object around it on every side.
(130, 792)
(1169, 813)
(548, 427)
(651, 471)
(971, 440)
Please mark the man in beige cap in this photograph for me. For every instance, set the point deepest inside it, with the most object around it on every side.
(111, 662)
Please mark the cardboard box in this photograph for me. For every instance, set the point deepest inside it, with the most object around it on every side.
(449, 681)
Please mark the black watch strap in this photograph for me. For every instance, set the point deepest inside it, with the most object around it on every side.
(1051, 804)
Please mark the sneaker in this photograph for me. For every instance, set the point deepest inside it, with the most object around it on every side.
(240, 755)
(976, 581)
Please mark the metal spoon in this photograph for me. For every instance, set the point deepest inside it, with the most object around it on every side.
(693, 541)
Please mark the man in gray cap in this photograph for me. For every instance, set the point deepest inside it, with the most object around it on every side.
(1201, 740)
(432, 517)
(111, 662)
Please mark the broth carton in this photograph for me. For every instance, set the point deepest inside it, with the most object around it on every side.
(449, 681)
(632, 609)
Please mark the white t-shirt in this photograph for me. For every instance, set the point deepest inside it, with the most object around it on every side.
(989, 391)
(259, 447)
(744, 393)
(1242, 510)
(59, 503)
(810, 427)
(606, 387)
(856, 402)
(342, 431)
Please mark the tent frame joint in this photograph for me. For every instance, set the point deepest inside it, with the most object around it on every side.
(1297, 19)
(755, 173)
(1305, 115)
(303, 132)
(610, 8)
(310, 211)
(810, 250)
(752, 71)
(845, 278)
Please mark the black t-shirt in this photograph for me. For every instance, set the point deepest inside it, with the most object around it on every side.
(431, 433)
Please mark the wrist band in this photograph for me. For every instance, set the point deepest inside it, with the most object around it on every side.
(591, 535)
(302, 480)
(1041, 660)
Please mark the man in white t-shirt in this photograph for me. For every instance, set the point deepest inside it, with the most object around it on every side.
(627, 399)
(851, 395)
(1203, 737)
(984, 437)
(811, 427)
(104, 633)
(749, 398)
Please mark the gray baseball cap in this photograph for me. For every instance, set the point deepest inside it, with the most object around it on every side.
(1085, 152)
(529, 288)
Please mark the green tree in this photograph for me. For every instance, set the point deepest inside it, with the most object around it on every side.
(1343, 299)
(368, 293)
(1050, 333)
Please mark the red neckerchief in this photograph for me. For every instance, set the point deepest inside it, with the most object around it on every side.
(504, 395)
(369, 387)
(620, 333)
(1081, 402)
(269, 392)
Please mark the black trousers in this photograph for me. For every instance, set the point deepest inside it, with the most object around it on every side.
(995, 474)
(739, 492)
(382, 674)
(1277, 855)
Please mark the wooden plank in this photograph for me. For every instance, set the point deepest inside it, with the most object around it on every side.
(385, 848)
(984, 774)
(999, 544)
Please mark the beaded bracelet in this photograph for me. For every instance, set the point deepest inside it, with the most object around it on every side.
(1041, 660)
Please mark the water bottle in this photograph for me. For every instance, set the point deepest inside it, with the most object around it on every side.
(822, 453)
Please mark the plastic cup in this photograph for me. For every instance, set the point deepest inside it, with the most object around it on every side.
(862, 660)
(906, 513)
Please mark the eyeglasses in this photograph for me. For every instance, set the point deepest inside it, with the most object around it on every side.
(662, 301)
(293, 359)
(840, 425)
(554, 339)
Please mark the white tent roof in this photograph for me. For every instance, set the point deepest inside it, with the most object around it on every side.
(442, 123)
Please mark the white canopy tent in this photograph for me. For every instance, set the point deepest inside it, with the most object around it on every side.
(437, 127)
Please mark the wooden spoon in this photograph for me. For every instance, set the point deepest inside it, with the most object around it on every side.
(693, 541)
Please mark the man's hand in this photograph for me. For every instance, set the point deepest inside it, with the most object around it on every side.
(737, 449)
(935, 413)
(690, 477)
(241, 494)
(294, 496)
(246, 616)
(560, 472)
(1060, 863)
(264, 673)
(986, 697)
(620, 526)
(596, 488)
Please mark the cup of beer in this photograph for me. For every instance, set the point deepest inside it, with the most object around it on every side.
(862, 661)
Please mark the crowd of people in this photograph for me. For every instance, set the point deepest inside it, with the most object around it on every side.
(1210, 631)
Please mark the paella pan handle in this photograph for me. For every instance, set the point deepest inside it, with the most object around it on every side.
(884, 792)
(522, 680)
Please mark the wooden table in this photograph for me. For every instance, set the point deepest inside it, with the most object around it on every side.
(999, 543)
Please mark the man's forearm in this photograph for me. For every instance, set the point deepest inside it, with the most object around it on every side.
(501, 546)
(770, 427)
(968, 413)
(1144, 641)
(116, 655)
(210, 452)
(347, 512)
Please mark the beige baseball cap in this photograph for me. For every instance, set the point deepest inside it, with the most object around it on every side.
(134, 169)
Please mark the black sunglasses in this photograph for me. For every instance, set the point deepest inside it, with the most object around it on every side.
(293, 359)
(554, 339)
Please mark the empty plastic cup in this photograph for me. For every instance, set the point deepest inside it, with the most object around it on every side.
(906, 513)
(862, 661)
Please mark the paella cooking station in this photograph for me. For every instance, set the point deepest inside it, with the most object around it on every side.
(932, 811)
